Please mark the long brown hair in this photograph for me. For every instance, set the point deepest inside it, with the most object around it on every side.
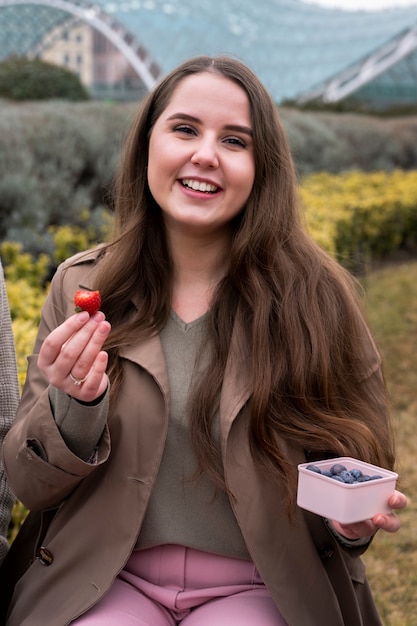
(300, 310)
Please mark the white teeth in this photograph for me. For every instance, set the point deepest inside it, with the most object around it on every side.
(199, 186)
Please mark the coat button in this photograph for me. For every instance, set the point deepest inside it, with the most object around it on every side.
(45, 556)
(326, 551)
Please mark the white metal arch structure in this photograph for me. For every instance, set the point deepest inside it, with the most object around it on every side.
(366, 70)
(140, 59)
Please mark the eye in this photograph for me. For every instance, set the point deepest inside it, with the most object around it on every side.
(185, 129)
(235, 141)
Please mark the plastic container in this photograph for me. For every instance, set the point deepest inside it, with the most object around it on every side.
(341, 502)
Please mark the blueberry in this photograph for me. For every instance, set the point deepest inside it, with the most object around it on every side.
(356, 473)
(375, 477)
(363, 479)
(326, 472)
(337, 477)
(314, 468)
(337, 469)
(347, 477)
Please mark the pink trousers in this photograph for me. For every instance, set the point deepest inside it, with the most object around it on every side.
(170, 585)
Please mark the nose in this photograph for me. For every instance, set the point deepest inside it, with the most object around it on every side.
(205, 153)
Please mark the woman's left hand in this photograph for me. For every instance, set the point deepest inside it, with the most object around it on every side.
(381, 521)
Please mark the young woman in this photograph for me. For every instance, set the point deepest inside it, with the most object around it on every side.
(9, 398)
(161, 443)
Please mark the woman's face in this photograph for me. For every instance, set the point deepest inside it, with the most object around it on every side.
(201, 162)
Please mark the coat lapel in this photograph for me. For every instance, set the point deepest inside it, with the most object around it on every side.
(149, 355)
(237, 382)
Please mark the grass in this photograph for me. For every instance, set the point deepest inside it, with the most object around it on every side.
(391, 301)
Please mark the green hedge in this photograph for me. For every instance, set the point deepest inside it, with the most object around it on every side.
(33, 79)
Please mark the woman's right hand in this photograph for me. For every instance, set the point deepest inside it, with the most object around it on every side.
(75, 349)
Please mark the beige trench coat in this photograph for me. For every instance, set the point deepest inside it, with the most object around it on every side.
(101, 507)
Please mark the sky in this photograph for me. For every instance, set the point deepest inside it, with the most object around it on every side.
(370, 5)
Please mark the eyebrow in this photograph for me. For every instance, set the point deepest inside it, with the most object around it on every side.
(234, 127)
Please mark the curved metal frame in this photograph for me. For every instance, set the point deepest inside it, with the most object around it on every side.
(369, 68)
(140, 59)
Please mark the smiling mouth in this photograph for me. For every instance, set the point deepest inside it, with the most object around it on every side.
(197, 185)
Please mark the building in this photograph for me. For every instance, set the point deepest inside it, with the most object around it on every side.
(101, 67)
(301, 51)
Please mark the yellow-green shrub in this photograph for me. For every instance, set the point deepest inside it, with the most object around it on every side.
(25, 300)
(22, 265)
(18, 517)
(68, 240)
(355, 214)
(24, 331)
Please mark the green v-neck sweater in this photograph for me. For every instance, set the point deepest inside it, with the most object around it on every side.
(184, 510)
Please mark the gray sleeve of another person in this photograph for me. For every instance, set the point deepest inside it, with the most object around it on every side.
(9, 397)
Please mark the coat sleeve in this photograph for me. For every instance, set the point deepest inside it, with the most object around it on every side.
(41, 468)
(9, 397)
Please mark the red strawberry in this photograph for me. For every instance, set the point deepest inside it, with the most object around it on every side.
(86, 300)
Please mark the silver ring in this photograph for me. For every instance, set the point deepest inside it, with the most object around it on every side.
(77, 381)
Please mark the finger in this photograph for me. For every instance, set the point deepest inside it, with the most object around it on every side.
(52, 345)
(83, 364)
(357, 530)
(95, 383)
(388, 522)
(73, 349)
(398, 500)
